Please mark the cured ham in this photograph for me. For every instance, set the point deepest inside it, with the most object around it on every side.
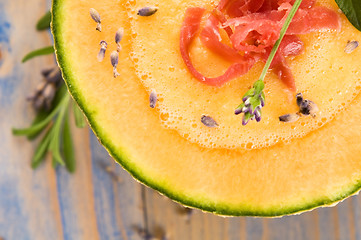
(253, 27)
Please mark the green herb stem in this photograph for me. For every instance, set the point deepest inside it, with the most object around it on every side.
(38, 52)
(44, 22)
(284, 28)
(56, 132)
(41, 150)
(68, 148)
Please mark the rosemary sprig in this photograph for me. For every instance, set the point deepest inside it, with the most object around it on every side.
(254, 99)
(53, 119)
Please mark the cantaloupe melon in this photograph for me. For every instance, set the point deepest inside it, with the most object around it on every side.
(262, 169)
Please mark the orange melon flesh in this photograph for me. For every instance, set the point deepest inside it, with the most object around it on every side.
(318, 169)
(323, 73)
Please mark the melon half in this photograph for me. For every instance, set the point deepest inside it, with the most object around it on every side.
(269, 168)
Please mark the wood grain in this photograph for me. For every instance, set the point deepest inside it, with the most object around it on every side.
(101, 200)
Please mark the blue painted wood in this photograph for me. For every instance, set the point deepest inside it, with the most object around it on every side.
(117, 196)
(75, 193)
(22, 191)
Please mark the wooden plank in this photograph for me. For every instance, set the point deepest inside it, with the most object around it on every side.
(75, 192)
(325, 224)
(29, 207)
(357, 211)
(117, 202)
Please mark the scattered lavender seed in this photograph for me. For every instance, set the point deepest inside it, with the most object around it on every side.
(114, 58)
(103, 47)
(308, 107)
(209, 121)
(118, 37)
(289, 117)
(96, 17)
(299, 99)
(153, 99)
(351, 46)
(147, 11)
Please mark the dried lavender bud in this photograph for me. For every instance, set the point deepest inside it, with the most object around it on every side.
(40, 87)
(45, 72)
(114, 58)
(49, 94)
(299, 99)
(289, 117)
(103, 47)
(208, 121)
(147, 11)
(308, 107)
(96, 17)
(351, 46)
(118, 37)
(153, 99)
(54, 76)
(38, 102)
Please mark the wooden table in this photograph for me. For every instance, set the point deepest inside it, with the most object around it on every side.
(100, 200)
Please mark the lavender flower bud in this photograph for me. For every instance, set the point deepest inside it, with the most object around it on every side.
(258, 114)
(238, 111)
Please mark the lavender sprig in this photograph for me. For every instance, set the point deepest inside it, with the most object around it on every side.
(254, 99)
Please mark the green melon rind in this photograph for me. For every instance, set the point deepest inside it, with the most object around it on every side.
(119, 153)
